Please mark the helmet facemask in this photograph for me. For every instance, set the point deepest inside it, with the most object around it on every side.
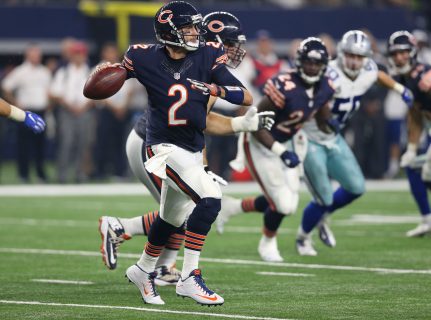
(176, 36)
(354, 50)
(311, 60)
(234, 50)
(402, 41)
(352, 63)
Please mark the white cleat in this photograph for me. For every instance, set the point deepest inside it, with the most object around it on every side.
(421, 230)
(326, 234)
(229, 208)
(145, 283)
(167, 276)
(268, 249)
(194, 287)
(113, 235)
(304, 246)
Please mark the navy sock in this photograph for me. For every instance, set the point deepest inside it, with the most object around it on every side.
(160, 231)
(272, 219)
(312, 215)
(260, 203)
(341, 198)
(418, 190)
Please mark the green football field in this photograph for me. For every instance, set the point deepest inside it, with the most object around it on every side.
(375, 272)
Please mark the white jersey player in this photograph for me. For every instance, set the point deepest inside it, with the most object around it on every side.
(329, 156)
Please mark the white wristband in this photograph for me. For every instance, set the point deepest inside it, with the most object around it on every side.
(412, 147)
(278, 148)
(398, 87)
(16, 114)
(237, 124)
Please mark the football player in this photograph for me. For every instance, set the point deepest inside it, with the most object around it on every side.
(173, 148)
(273, 157)
(328, 155)
(402, 53)
(31, 120)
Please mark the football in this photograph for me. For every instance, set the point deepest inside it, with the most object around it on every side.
(104, 83)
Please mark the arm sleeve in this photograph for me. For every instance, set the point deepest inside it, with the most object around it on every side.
(222, 77)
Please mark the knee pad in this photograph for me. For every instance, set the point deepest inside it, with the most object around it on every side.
(204, 215)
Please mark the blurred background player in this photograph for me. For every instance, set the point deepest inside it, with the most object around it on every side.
(116, 230)
(28, 85)
(31, 120)
(273, 157)
(328, 156)
(416, 76)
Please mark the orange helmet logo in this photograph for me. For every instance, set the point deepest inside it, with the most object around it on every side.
(163, 13)
(216, 26)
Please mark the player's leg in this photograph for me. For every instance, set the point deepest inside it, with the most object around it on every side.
(416, 173)
(280, 186)
(344, 168)
(186, 172)
(115, 231)
(319, 185)
(231, 206)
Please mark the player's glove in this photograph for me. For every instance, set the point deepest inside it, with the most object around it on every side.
(408, 97)
(334, 125)
(34, 122)
(215, 177)
(409, 155)
(290, 159)
(276, 96)
(205, 88)
(253, 121)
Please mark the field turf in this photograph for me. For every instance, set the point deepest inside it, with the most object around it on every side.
(375, 272)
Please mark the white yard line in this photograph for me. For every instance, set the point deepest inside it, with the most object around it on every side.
(286, 274)
(131, 189)
(227, 261)
(62, 281)
(95, 306)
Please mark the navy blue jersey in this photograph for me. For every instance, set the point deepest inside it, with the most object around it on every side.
(299, 107)
(177, 113)
(419, 82)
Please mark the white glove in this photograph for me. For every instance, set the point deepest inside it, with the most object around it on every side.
(409, 155)
(216, 177)
(253, 121)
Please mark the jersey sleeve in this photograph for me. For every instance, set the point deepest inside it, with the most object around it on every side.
(128, 62)
(223, 77)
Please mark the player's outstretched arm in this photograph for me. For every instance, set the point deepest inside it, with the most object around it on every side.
(386, 80)
(251, 121)
(30, 119)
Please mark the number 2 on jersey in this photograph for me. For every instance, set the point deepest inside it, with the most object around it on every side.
(172, 119)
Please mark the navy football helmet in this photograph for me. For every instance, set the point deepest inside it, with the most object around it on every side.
(402, 41)
(312, 50)
(225, 28)
(171, 18)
